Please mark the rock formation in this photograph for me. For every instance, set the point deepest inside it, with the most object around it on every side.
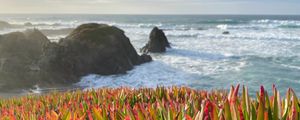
(21, 49)
(29, 24)
(157, 42)
(93, 49)
(19, 56)
(226, 33)
(29, 58)
(4, 25)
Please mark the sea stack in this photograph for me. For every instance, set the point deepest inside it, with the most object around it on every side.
(157, 42)
(93, 49)
(226, 33)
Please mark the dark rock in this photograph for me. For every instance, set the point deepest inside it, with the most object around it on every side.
(21, 49)
(145, 58)
(19, 56)
(29, 58)
(28, 24)
(226, 32)
(157, 43)
(93, 49)
(4, 25)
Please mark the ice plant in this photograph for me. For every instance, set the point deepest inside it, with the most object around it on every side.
(174, 103)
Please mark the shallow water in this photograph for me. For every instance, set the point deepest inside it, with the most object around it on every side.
(260, 50)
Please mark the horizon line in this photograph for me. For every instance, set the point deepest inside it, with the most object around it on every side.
(139, 14)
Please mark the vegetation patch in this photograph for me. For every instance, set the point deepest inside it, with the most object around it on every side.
(175, 103)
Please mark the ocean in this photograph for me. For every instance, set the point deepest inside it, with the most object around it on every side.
(260, 49)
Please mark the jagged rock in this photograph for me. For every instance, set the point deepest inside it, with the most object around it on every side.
(226, 32)
(93, 49)
(19, 56)
(157, 43)
(145, 58)
(29, 58)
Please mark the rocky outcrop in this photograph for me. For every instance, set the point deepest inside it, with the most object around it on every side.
(29, 24)
(4, 25)
(226, 33)
(29, 58)
(157, 42)
(19, 56)
(21, 49)
(93, 49)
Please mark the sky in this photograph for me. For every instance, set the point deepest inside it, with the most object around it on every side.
(281, 7)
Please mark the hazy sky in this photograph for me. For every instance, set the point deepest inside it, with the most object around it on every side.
(152, 6)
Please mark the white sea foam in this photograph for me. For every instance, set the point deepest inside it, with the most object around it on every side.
(222, 26)
(291, 66)
(147, 75)
(255, 52)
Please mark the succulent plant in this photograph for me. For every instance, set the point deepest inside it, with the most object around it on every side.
(173, 103)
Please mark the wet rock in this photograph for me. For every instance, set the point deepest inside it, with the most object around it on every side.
(29, 58)
(93, 49)
(226, 33)
(145, 58)
(157, 42)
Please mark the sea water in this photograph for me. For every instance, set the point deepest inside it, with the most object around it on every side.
(260, 50)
